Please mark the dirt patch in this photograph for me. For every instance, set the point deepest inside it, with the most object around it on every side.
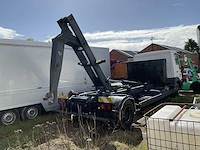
(61, 142)
(84, 136)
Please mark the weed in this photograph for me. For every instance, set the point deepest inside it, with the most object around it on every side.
(182, 98)
(62, 132)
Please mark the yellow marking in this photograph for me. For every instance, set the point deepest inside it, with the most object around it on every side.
(109, 100)
(100, 99)
(66, 96)
(104, 99)
(60, 95)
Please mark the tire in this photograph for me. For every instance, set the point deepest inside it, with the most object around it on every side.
(196, 88)
(126, 114)
(177, 86)
(9, 117)
(30, 112)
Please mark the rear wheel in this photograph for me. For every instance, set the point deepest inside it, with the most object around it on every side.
(126, 114)
(196, 88)
(30, 112)
(9, 117)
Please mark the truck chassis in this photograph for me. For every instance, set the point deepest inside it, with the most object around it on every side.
(117, 104)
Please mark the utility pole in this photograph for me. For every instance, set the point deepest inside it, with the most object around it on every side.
(198, 36)
(151, 40)
(152, 43)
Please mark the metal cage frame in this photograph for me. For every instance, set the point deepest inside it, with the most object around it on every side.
(161, 136)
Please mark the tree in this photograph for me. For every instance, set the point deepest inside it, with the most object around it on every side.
(192, 46)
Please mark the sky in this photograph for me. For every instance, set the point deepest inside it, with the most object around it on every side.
(116, 24)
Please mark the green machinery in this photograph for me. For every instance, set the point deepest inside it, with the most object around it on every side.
(191, 80)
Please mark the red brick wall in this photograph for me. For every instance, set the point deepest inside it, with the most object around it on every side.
(117, 56)
(119, 71)
(154, 47)
(195, 58)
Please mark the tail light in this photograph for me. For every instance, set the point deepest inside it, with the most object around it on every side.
(105, 106)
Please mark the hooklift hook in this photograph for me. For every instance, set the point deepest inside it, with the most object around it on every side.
(49, 96)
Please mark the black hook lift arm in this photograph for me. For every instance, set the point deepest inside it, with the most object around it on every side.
(71, 35)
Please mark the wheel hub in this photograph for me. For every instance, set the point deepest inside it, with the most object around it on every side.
(32, 113)
(8, 118)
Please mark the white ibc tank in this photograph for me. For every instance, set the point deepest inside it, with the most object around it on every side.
(182, 133)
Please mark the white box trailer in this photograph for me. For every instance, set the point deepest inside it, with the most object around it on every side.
(24, 77)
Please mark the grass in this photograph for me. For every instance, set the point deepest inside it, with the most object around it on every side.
(54, 129)
(27, 124)
(183, 98)
(21, 131)
(81, 134)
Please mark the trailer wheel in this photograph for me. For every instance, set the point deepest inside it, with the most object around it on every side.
(126, 114)
(30, 112)
(9, 117)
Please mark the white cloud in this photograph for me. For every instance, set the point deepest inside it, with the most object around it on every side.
(8, 33)
(178, 4)
(137, 40)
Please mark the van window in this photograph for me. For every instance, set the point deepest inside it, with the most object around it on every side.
(176, 59)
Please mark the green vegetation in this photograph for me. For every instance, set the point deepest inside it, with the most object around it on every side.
(21, 131)
(192, 46)
(182, 98)
(55, 131)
